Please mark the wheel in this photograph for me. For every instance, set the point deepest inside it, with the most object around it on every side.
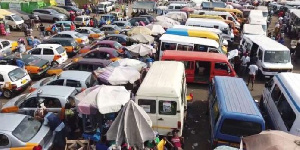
(7, 93)
(54, 63)
(55, 19)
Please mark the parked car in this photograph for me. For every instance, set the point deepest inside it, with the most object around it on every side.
(81, 65)
(35, 66)
(80, 38)
(138, 19)
(54, 53)
(68, 26)
(13, 80)
(92, 33)
(117, 14)
(74, 9)
(99, 53)
(122, 24)
(7, 46)
(149, 17)
(49, 15)
(72, 78)
(70, 45)
(101, 43)
(60, 10)
(54, 98)
(24, 132)
(110, 29)
(120, 38)
(82, 20)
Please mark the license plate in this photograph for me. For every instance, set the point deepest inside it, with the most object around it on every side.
(24, 81)
(45, 66)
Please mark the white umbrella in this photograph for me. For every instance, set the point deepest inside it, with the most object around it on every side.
(164, 24)
(139, 30)
(118, 75)
(142, 38)
(156, 29)
(166, 19)
(141, 49)
(138, 65)
(132, 125)
(177, 15)
(106, 99)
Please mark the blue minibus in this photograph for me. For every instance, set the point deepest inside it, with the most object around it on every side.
(232, 112)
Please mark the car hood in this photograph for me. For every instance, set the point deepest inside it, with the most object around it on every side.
(39, 62)
(12, 102)
(43, 137)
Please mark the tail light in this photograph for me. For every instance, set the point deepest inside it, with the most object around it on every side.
(179, 124)
(31, 89)
(39, 147)
(56, 57)
(124, 43)
(190, 97)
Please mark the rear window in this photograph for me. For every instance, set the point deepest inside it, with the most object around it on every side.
(60, 49)
(16, 74)
(117, 45)
(240, 128)
(46, 80)
(27, 129)
(78, 19)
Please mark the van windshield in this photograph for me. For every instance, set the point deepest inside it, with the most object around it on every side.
(277, 56)
(240, 128)
(101, 5)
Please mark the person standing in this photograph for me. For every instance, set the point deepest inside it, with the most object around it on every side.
(252, 73)
(42, 30)
(36, 42)
(245, 61)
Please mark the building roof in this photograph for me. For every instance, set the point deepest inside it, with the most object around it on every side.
(163, 79)
(291, 84)
(10, 121)
(267, 43)
(234, 96)
(191, 55)
(185, 39)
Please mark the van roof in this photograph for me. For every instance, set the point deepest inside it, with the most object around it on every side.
(291, 85)
(192, 33)
(217, 31)
(234, 96)
(190, 55)
(194, 40)
(164, 79)
(203, 21)
(257, 20)
(253, 29)
(267, 43)
(7, 68)
(256, 13)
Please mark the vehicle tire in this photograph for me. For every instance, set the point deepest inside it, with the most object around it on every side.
(55, 19)
(54, 63)
(7, 93)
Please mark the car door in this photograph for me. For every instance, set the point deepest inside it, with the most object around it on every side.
(6, 47)
(29, 106)
(36, 52)
(48, 54)
(5, 142)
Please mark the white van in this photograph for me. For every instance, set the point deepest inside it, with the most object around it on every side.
(281, 102)
(162, 94)
(176, 6)
(212, 23)
(104, 7)
(258, 21)
(224, 15)
(253, 29)
(13, 80)
(257, 14)
(14, 21)
(264, 9)
(272, 57)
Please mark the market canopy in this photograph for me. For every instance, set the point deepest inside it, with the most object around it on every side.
(144, 5)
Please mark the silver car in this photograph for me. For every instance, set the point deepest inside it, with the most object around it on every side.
(54, 99)
(49, 15)
(18, 131)
(72, 78)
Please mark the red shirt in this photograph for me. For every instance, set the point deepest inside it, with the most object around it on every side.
(176, 141)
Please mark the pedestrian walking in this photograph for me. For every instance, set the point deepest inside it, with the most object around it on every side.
(245, 62)
(42, 30)
(252, 73)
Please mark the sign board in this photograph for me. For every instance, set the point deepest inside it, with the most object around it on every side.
(60, 2)
(16, 6)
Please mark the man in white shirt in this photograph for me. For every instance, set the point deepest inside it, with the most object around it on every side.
(252, 73)
(245, 61)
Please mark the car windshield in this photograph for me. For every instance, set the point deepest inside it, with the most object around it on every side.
(16, 74)
(16, 18)
(60, 49)
(21, 99)
(79, 35)
(54, 11)
(105, 18)
(78, 19)
(95, 30)
(101, 5)
(29, 59)
(277, 56)
(117, 45)
(27, 129)
(240, 128)
(46, 80)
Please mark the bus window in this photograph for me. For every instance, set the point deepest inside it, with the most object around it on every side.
(200, 48)
(168, 46)
(185, 47)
